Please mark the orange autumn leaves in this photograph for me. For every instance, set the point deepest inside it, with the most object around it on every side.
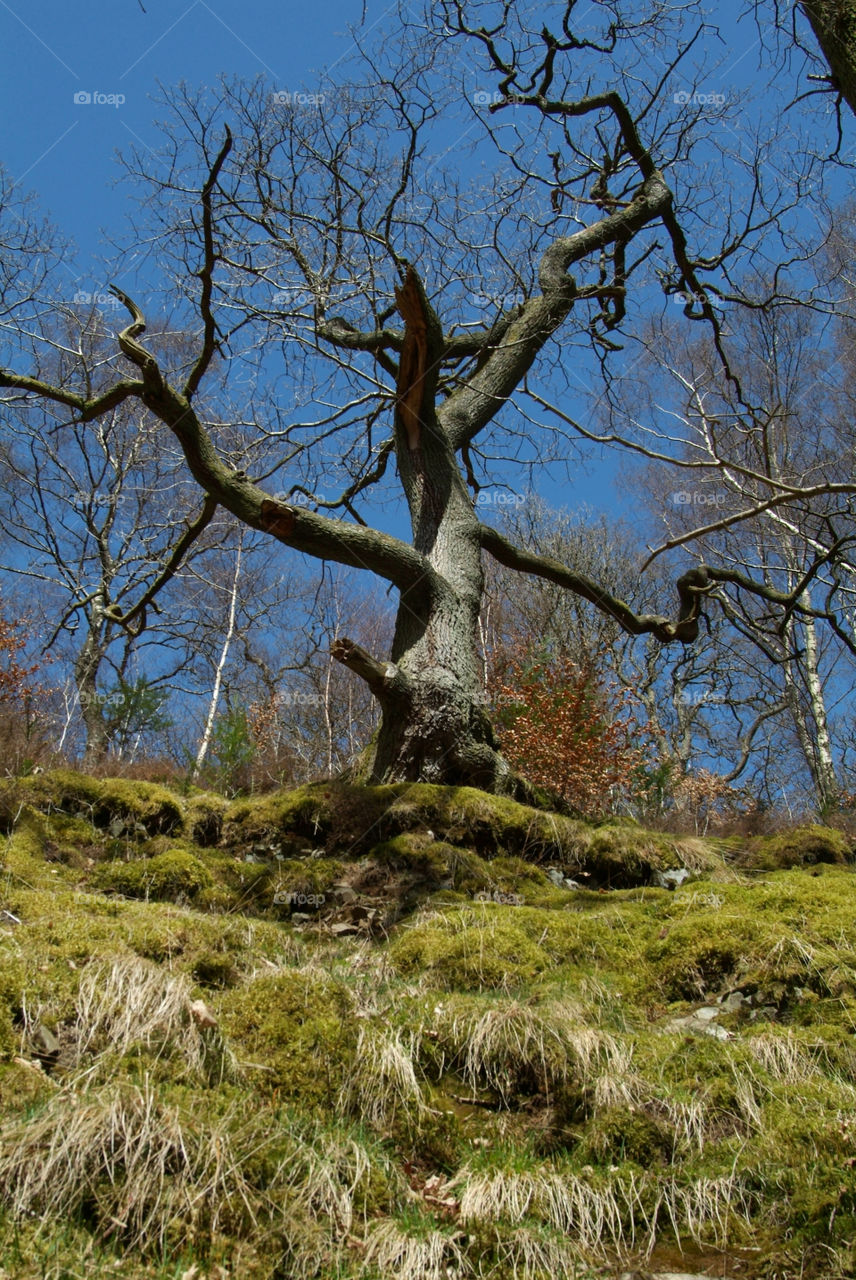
(565, 728)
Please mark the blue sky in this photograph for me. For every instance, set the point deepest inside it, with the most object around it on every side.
(65, 149)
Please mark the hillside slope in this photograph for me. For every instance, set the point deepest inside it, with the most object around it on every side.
(417, 1031)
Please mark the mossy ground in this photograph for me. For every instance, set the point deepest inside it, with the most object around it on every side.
(362, 1032)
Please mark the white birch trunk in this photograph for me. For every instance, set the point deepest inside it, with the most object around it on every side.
(208, 732)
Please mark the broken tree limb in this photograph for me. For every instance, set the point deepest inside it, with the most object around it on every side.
(383, 678)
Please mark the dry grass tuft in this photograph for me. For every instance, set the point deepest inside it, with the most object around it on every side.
(124, 1161)
(134, 1003)
(383, 1084)
(784, 1058)
(707, 1209)
(499, 1046)
(528, 1255)
(153, 1178)
(429, 1255)
(599, 1217)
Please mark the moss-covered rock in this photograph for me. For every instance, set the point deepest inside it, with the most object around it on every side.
(620, 1133)
(297, 1032)
(216, 969)
(103, 802)
(168, 877)
(203, 821)
(398, 825)
(469, 950)
(803, 846)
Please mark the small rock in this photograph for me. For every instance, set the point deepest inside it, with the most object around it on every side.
(117, 826)
(201, 1014)
(672, 878)
(706, 1014)
(734, 1001)
(554, 874)
(681, 1275)
(718, 1033)
(343, 894)
(700, 1027)
(47, 1046)
(343, 928)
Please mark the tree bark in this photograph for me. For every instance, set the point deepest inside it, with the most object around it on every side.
(834, 25)
(86, 667)
(208, 731)
(434, 724)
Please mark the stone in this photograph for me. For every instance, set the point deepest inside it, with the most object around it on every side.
(343, 894)
(671, 879)
(47, 1046)
(201, 1014)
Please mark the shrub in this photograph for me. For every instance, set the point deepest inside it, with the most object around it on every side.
(565, 729)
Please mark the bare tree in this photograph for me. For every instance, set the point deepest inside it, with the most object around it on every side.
(800, 548)
(98, 519)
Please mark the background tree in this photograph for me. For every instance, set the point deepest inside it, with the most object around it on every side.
(99, 517)
(24, 702)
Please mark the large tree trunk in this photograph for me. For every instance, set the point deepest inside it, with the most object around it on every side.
(834, 25)
(434, 725)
